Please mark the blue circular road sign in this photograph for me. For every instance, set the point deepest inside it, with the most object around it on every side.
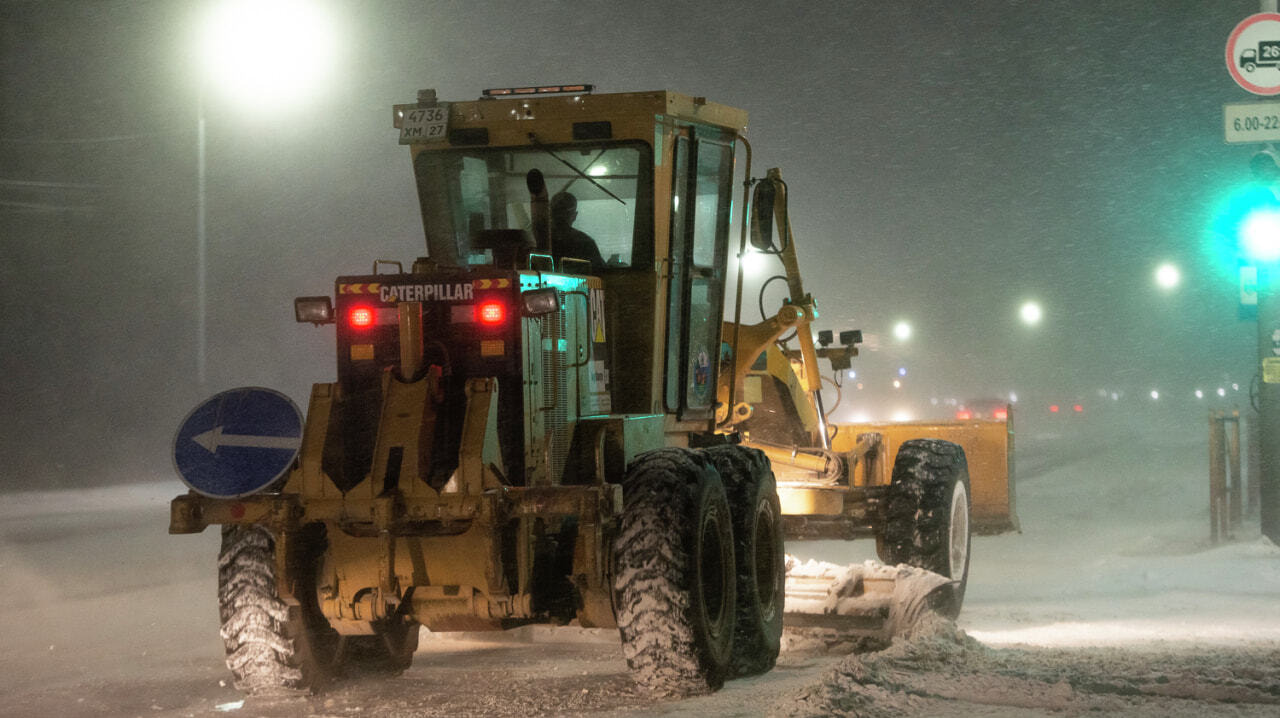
(238, 443)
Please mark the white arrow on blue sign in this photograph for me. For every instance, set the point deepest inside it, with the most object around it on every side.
(238, 442)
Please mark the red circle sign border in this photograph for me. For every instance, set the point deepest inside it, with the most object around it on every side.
(1231, 63)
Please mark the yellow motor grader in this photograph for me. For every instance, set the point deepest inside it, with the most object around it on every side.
(547, 419)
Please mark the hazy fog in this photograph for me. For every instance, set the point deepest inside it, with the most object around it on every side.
(946, 162)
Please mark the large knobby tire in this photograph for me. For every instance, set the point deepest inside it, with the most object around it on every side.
(272, 646)
(761, 565)
(927, 516)
(254, 619)
(674, 579)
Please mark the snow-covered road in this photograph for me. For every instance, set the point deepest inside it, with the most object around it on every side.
(1121, 604)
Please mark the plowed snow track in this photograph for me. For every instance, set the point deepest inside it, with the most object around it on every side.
(107, 616)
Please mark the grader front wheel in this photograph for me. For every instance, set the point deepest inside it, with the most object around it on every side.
(927, 516)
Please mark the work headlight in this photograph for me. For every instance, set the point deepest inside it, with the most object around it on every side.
(317, 310)
(538, 302)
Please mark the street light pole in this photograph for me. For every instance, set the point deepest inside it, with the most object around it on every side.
(1268, 392)
(201, 247)
(1269, 403)
(269, 53)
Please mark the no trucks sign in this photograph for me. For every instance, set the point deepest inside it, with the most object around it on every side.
(1253, 53)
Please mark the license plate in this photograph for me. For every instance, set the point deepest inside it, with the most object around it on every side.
(424, 124)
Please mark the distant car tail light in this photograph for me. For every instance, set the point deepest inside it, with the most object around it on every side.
(1078, 409)
(964, 415)
(1053, 409)
(1001, 414)
(361, 317)
(491, 313)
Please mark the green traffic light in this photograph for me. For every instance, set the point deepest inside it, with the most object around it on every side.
(1246, 228)
(1260, 234)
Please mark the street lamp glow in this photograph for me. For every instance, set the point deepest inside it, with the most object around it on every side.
(1199, 393)
(753, 263)
(1031, 313)
(1168, 276)
(902, 331)
(1155, 394)
(266, 53)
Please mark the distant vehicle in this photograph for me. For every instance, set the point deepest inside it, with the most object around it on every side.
(1267, 54)
(993, 409)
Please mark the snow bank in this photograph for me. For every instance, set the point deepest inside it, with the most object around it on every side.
(1114, 551)
(25, 504)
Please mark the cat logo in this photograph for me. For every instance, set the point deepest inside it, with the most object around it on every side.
(597, 315)
(426, 293)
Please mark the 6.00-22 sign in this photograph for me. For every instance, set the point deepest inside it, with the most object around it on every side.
(1254, 123)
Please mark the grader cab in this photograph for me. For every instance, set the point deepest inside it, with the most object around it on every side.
(547, 419)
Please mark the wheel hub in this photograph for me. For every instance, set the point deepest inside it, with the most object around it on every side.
(958, 541)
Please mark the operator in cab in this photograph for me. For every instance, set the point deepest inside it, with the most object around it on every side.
(567, 240)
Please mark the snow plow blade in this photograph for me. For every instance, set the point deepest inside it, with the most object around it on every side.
(859, 601)
(988, 449)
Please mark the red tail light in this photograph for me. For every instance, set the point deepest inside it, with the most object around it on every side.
(964, 415)
(1001, 414)
(1078, 409)
(1053, 409)
(491, 313)
(361, 317)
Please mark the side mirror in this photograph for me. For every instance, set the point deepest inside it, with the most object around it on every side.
(762, 215)
(539, 209)
(536, 184)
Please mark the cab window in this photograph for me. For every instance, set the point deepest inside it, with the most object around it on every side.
(466, 191)
(712, 197)
(702, 183)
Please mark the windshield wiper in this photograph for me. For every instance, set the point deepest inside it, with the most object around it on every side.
(534, 139)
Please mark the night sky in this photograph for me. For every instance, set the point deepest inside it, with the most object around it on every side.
(946, 162)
